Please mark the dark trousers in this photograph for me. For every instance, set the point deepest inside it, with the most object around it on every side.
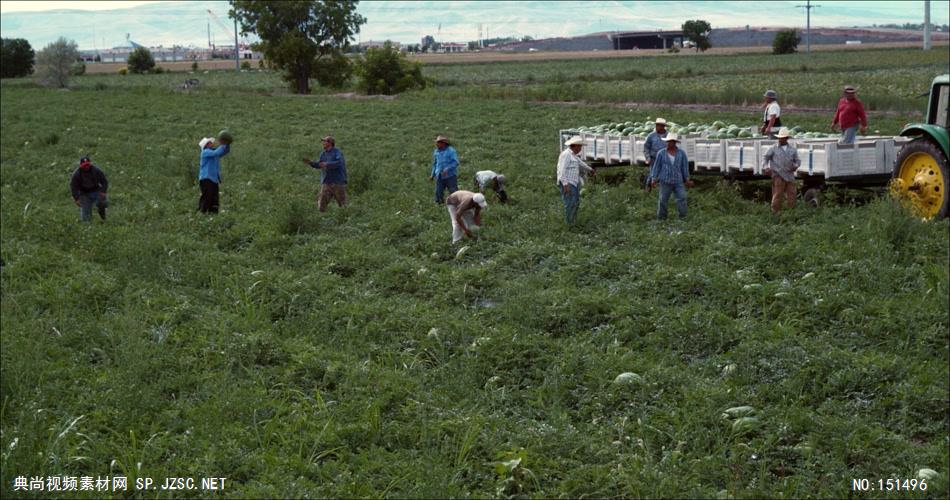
(441, 184)
(209, 196)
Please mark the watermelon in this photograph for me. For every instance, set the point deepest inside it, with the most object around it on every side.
(225, 137)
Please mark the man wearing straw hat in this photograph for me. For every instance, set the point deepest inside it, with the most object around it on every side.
(209, 174)
(670, 170)
(849, 116)
(772, 117)
(782, 161)
(570, 169)
(654, 143)
(445, 164)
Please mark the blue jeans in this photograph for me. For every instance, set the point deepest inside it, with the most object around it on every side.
(441, 184)
(665, 191)
(87, 200)
(848, 134)
(572, 200)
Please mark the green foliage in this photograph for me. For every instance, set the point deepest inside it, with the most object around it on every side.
(55, 61)
(385, 70)
(123, 71)
(697, 31)
(16, 58)
(245, 65)
(305, 39)
(333, 71)
(194, 65)
(78, 68)
(141, 61)
(786, 42)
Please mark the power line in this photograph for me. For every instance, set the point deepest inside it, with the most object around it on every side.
(808, 7)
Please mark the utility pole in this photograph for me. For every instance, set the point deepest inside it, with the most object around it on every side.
(926, 24)
(237, 50)
(808, 7)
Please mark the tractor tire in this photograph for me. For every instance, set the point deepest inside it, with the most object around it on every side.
(920, 179)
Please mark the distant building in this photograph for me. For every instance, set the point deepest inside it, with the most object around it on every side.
(625, 40)
(453, 47)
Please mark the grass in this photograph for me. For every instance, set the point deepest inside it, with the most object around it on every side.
(350, 354)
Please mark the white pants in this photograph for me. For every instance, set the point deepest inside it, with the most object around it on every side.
(468, 218)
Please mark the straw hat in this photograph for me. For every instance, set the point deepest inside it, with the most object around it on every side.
(783, 133)
(660, 121)
(672, 136)
(770, 93)
(574, 140)
(442, 138)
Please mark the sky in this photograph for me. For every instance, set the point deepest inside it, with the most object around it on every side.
(104, 24)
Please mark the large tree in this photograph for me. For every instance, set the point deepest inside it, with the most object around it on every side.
(54, 63)
(698, 32)
(16, 58)
(300, 37)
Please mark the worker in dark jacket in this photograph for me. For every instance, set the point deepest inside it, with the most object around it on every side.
(89, 187)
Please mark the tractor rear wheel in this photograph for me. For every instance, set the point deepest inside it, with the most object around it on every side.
(920, 179)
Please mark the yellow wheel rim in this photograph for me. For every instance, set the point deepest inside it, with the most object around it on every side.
(920, 184)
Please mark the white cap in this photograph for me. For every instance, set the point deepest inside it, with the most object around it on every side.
(574, 140)
(204, 142)
(480, 199)
(660, 121)
(672, 137)
(782, 133)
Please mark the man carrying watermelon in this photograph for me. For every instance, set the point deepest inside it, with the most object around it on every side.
(209, 173)
(89, 185)
(332, 167)
(445, 164)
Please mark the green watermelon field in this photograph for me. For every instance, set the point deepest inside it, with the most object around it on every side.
(358, 353)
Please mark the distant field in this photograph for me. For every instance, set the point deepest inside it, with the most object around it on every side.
(355, 354)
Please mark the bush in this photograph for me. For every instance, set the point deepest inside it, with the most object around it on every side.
(78, 68)
(246, 65)
(194, 65)
(16, 58)
(333, 70)
(55, 62)
(123, 71)
(785, 42)
(385, 70)
(141, 60)
(159, 70)
(673, 50)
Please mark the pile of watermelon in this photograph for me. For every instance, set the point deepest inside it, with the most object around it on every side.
(714, 130)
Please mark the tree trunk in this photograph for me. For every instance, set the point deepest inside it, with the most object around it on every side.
(303, 81)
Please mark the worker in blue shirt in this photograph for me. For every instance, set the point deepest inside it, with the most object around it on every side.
(332, 168)
(670, 170)
(209, 174)
(654, 143)
(445, 164)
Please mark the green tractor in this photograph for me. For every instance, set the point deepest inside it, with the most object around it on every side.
(921, 177)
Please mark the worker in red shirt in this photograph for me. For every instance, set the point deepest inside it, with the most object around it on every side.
(849, 115)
